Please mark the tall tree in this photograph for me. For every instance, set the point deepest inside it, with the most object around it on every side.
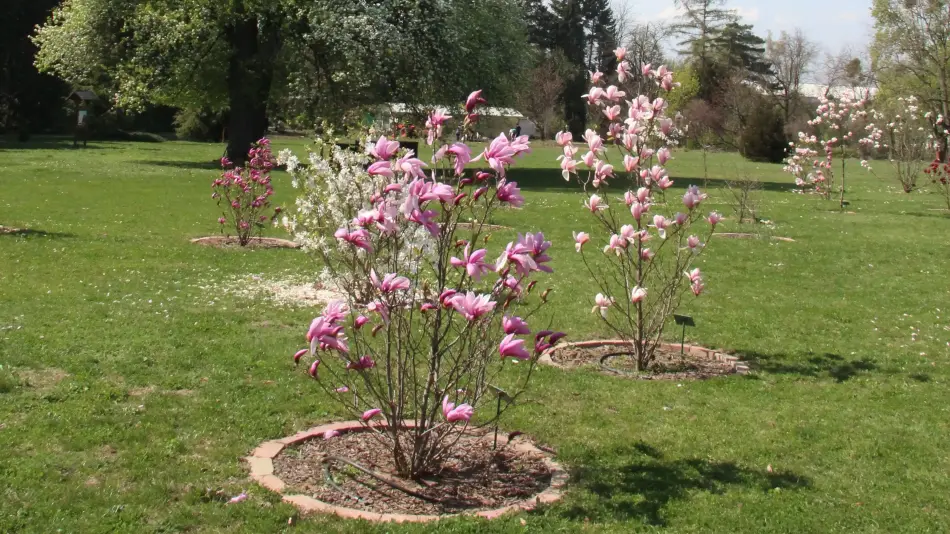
(738, 49)
(571, 40)
(699, 25)
(645, 45)
(911, 51)
(792, 55)
(246, 55)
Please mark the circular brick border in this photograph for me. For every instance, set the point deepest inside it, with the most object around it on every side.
(741, 235)
(261, 463)
(255, 242)
(695, 350)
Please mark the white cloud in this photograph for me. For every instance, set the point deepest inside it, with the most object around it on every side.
(748, 14)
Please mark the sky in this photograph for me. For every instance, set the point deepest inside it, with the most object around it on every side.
(834, 24)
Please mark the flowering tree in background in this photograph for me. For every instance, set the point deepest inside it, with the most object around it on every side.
(442, 325)
(645, 265)
(839, 126)
(905, 135)
(243, 193)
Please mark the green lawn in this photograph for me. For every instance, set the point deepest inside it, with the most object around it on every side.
(130, 388)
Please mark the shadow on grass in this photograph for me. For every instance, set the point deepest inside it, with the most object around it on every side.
(551, 180)
(824, 365)
(29, 233)
(181, 164)
(637, 482)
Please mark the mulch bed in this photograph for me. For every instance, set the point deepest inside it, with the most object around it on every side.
(739, 235)
(11, 230)
(485, 227)
(473, 477)
(220, 241)
(667, 365)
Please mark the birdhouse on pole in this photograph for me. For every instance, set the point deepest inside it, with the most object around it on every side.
(85, 103)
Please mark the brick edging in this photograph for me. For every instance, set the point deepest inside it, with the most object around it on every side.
(702, 352)
(261, 464)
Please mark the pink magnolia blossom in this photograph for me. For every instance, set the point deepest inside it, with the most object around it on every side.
(580, 238)
(595, 203)
(359, 238)
(630, 163)
(471, 305)
(381, 168)
(694, 275)
(629, 198)
(697, 287)
(371, 413)
(694, 244)
(628, 233)
(498, 154)
(646, 254)
(594, 141)
(473, 101)
(342, 389)
(222, 220)
(330, 434)
(299, 354)
(508, 192)
(313, 369)
(643, 195)
(589, 159)
(453, 413)
(680, 219)
(661, 224)
(379, 307)
(595, 95)
(613, 94)
(602, 171)
(623, 71)
(411, 167)
(514, 325)
(663, 155)
(602, 304)
(647, 70)
(510, 347)
(463, 155)
(714, 218)
(629, 140)
(362, 364)
(666, 126)
(614, 130)
(390, 282)
(664, 182)
(612, 113)
(638, 294)
(568, 167)
(596, 77)
(621, 53)
(325, 335)
(445, 298)
(426, 306)
(473, 263)
(563, 138)
(637, 209)
(693, 197)
(615, 245)
(384, 149)
(427, 220)
(335, 311)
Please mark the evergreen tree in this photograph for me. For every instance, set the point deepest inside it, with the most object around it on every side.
(738, 49)
(542, 24)
(571, 39)
(699, 25)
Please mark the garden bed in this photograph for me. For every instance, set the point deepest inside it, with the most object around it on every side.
(11, 230)
(220, 241)
(485, 227)
(474, 478)
(671, 362)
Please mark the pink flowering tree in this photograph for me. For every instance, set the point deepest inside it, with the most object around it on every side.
(243, 193)
(639, 251)
(445, 326)
(839, 130)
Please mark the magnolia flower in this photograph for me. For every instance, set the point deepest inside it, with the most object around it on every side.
(342, 389)
(589, 159)
(616, 244)
(514, 325)
(602, 171)
(595, 203)
(513, 348)
(384, 149)
(714, 218)
(371, 413)
(508, 192)
(473, 101)
(411, 167)
(595, 95)
(594, 141)
(299, 354)
(628, 233)
(663, 155)
(693, 197)
(637, 209)
(473, 263)
(630, 163)
(596, 77)
(613, 94)
(563, 138)
(638, 294)
(661, 224)
(664, 182)
(472, 306)
(623, 71)
(694, 244)
(463, 155)
(602, 303)
(390, 282)
(359, 238)
(646, 254)
(621, 53)
(330, 434)
(313, 369)
(697, 287)
(452, 413)
(362, 364)
(612, 112)
(629, 198)
(647, 70)
(379, 307)
(580, 238)
(694, 275)
(381, 168)
(568, 167)
(498, 154)
(643, 195)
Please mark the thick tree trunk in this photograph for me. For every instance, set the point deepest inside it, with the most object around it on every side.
(254, 46)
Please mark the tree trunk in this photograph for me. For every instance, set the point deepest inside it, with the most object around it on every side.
(254, 46)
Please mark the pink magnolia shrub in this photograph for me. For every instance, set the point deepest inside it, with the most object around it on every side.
(243, 194)
(839, 125)
(444, 322)
(939, 174)
(642, 262)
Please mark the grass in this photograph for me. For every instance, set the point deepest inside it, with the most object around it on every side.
(128, 392)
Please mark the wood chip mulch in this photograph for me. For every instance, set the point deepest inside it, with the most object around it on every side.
(667, 365)
(255, 242)
(472, 478)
